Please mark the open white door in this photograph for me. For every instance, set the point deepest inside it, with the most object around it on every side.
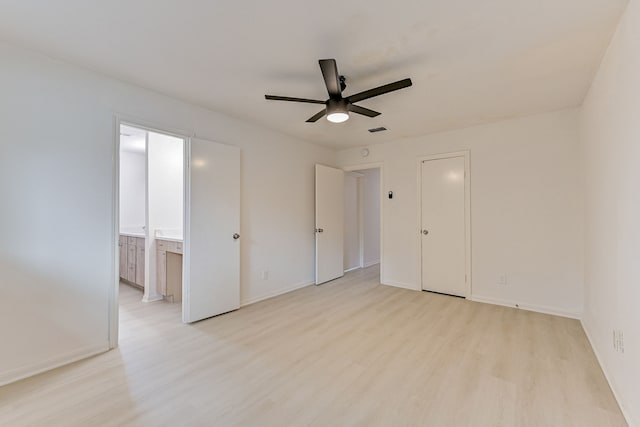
(212, 226)
(329, 223)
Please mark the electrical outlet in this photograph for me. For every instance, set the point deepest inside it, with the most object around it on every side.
(264, 274)
(502, 280)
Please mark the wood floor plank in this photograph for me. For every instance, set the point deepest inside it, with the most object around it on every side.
(349, 352)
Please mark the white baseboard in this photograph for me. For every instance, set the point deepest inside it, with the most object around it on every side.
(152, 299)
(529, 307)
(612, 386)
(276, 293)
(53, 363)
(399, 285)
(352, 268)
(370, 263)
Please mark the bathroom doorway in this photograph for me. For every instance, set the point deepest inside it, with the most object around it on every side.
(150, 216)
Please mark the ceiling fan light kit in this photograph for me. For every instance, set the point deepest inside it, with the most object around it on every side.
(338, 108)
(337, 111)
(338, 117)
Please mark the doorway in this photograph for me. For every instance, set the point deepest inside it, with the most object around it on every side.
(444, 224)
(348, 220)
(362, 218)
(151, 213)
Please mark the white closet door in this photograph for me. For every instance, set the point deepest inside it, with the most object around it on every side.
(443, 226)
(212, 231)
(329, 223)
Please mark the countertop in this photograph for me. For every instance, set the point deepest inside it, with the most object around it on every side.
(132, 234)
(169, 234)
(170, 238)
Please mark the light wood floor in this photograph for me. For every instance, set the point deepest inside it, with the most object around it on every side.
(349, 352)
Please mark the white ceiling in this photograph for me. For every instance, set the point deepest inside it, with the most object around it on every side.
(470, 61)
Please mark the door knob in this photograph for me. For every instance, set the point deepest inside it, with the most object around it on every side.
(425, 232)
(319, 230)
(236, 236)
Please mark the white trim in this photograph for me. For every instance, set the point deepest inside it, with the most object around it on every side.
(612, 386)
(467, 212)
(149, 275)
(146, 298)
(357, 267)
(150, 126)
(114, 290)
(528, 307)
(399, 285)
(370, 263)
(364, 166)
(277, 293)
(360, 189)
(53, 363)
(186, 231)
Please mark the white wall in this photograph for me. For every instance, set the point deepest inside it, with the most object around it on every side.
(526, 209)
(371, 215)
(165, 183)
(610, 133)
(351, 222)
(56, 217)
(132, 191)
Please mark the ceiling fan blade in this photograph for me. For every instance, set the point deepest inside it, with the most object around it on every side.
(316, 117)
(287, 98)
(401, 84)
(364, 111)
(331, 78)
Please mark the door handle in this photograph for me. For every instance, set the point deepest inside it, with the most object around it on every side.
(425, 232)
(236, 236)
(319, 230)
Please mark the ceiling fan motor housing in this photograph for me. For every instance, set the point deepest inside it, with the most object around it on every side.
(337, 106)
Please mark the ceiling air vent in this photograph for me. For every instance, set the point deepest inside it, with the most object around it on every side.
(380, 129)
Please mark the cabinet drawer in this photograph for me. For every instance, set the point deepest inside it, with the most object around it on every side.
(162, 245)
(172, 246)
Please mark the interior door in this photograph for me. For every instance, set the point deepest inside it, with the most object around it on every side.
(443, 226)
(329, 223)
(211, 276)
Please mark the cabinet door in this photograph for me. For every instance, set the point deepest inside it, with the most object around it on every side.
(140, 265)
(161, 272)
(123, 258)
(131, 263)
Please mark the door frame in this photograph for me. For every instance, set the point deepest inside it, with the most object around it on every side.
(113, 294)
(364, 166)
(467, 213)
